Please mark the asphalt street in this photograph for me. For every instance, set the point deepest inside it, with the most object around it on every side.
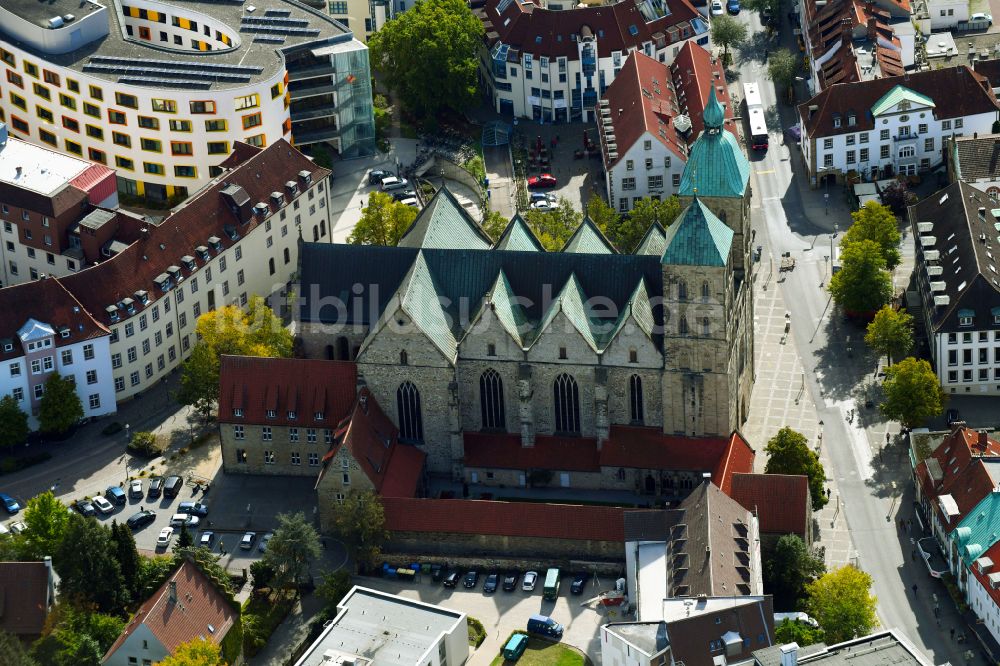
(874, 490)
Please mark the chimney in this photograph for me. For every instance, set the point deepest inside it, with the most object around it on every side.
(19, 170)
(984, 440)
(872, 30)
(173, 599)
(790, 654)
(706, 477)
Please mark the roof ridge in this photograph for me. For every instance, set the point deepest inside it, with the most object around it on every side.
(588, 229)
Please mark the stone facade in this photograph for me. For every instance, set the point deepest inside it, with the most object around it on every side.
(289, 451)
(343, 474)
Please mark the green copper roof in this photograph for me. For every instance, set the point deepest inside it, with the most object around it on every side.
(979, 529)
(891, 100)
(698, 238)
(714, 115)
(518, 237)
(444, 224)
(588, 239)
(507, 310)
(716, 166)
(418, 297)
(638, 310)
(571, 302)
(654, 242)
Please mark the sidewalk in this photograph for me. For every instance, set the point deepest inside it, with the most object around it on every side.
(289, 634)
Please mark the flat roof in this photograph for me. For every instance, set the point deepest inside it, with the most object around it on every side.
(652, 580)
(884, 648)
(679, 608)
(256, 54)
(650, 637)
(41, 170)
(384, 628)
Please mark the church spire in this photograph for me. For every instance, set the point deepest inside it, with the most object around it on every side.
(713, 115)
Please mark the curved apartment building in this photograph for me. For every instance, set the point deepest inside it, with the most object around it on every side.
(161, 89)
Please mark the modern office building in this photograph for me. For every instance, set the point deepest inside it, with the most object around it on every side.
(162, 90)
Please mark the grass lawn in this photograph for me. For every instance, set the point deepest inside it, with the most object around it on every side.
(544, 653)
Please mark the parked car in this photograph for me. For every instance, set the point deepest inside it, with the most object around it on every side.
(510, 581)
(543, 625)
(103, 505)
(733, 6)
(206, 539)
(116, 495)
(544, 180)
(141, 519)
(437, 572)
(980, 16)
(85, 507)
(375, 176)
(172, 485)
(530, 578)
(451, 580)
(515, 647)
(193, 508)
(17, 527)
(392, 183)
(952, 415)
(490, 586)
(411, 202)
(544, 204)
(163, 540)
(246, 543)
(717, 9)
(179, 519)
(579, 583)
(542, 196)
(155, 487)
(399, 195)
(471, 579)
(135, 489)
(266, 539)
(10, 503)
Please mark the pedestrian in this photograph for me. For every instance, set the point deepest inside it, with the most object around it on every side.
(953, 633)
(914, 589)
(362, 203)
(913, 554)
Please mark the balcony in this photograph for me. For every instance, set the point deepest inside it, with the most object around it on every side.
(311, 72)
(316, 135)
(312, 91)
(905, 137)
(313, 114)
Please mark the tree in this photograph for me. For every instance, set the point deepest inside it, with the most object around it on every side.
(184, 539)
(789, 453)
(89, 574)
(793, 631)
(890, 333)
(13, 423)
(644, 213)
(428, 55)
(605, 217)
(789, 569)
(383, 221)
(199, 652)
(13, 651)
(761, 6)
(60, 408)
(294, 545)
(46, 519)
(554, 227)
(862, 284)
(875, 222)
(77, 638)
(897, 197)
(261, 574)
(913, 393)
(360, 522)
(782, 67)
(494, 224)
(127, 556)
(334, 587)
(727, 31)
(256, 331)
(842, 603)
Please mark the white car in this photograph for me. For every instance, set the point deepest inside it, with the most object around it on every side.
(206, 539)
(179, 519)
(18, 527)
(717, 8)
(264, 541)
(103, 505)
(163, 540)
(981, 17)
(530, 578)
(246, 543)
(542, 205)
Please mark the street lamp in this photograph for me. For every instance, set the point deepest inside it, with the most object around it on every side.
(832, 236)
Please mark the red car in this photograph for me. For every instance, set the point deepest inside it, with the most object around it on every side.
(545, 180)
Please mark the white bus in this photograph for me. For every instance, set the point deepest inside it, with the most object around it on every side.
(755, 116)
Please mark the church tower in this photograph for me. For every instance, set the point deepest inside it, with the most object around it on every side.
(708, 299)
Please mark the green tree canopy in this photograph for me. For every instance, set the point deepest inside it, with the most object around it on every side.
(334, 587)
(727, 31)
(360, 522)
(78, 637)
(875, 222)
(261, 574)
(127, 556)
(788, 452)
(429, 56)
(606, 219)
(797, 632)
(554, 227)
(760, 6)
(184, 539)
(890, 333)
(862, 285)
(46, 519)
(60, 408)
(13, 423)
(897, 197)
(383, 221)
(199, 652)
(782, 66)
(646, 211)
(256, 331)
(294, 545)
(787, 572)
(842, 603)
(494, 223)
(89, 574)
(913, 393)
(13, 651)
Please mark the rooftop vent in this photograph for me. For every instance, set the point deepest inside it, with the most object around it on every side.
(56, 22)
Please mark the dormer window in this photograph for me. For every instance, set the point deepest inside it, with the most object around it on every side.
(230, 231)
(175, 273)
(164, 282)
(142, 297)
(852, 120)
(189, 263)
(965, 317)
(291, 188)
(202, 252)
(128, 305)
(291, 415)
(836, 120)
(8, 347)
(215, 242)
(261, 210)
(112, 311)
(305, 178)
(271, 413)
(64, 332)
(318, 416)
(238, 412)
(277, 199)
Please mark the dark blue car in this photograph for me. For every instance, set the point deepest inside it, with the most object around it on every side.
(9, 503)
(733, 6)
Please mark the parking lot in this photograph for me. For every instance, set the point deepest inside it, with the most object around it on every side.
(502, 612)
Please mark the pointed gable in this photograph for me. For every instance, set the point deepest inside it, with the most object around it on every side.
(445, 224)
(716, 165)
(654, 242)
(588, 239)
(518, 237)
(507, 309)
(571, 302)
(639, 310)
(892, 99)
(698, 238)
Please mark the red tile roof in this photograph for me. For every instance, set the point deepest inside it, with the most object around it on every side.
(780, 501)
(98, 181)
(694, 72)
(303, 386)
(49, 302)
(736, 459)
(24, 597)
(504, 451)
(394, 469)
(963, 475)
(993, 552)
(509, 519)
(649, 448)
(198, 606)
(641, 101)
(204, 215)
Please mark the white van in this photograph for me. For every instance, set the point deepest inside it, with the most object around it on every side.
(393, 183)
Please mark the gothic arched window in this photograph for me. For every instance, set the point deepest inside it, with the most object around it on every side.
(566, 401)
(682, 326)
(411, 425)
(705, 328)
(491, 400)
(635, 399)
(704, 292)
(682, 291)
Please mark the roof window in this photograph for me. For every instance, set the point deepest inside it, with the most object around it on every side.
(175, 273)
(142, 296)
(128, 305)
(278, 199)
(261, 210)
(202, 252)
(230, 231)
(189, 262)
(112, 311)
(164, 282)
(215, 242)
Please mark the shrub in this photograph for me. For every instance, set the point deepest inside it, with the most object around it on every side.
(144, 443)
(477, 633)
